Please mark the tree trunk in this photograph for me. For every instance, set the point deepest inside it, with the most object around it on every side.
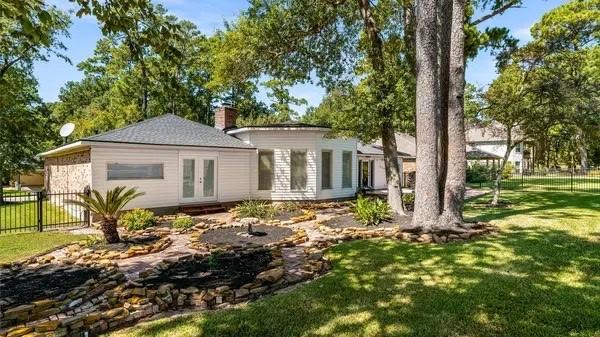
(582, 148)
(444, 24)
(427, 199)
(392, 169)
(454, 192)
(109, 228)
(383, 89)
(498, 179)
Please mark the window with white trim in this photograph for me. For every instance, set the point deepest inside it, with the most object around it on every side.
(347, 169)
(118, 171)
(266, 170)
(298, 175)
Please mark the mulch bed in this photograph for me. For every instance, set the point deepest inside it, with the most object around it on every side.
(29, 284)
(285, 216)
(230, 236)
(348, 221)
(232, 269)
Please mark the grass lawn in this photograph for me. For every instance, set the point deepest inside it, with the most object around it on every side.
(14, 247)
(24, 214)
(539, 277)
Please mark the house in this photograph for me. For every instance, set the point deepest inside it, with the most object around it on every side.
(179, 162)
(490, 142)
(371, 167)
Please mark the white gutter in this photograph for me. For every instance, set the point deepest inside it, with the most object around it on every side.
(283, 128)
(72, 146)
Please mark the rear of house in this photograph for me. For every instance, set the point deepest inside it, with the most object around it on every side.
(178, 162)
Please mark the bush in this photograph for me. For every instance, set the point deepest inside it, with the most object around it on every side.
(408, 198)
(288, 206)
(137, 219)
(183, 222)
(478, 173)
(508, 170)
(256, 209)
(371, 212)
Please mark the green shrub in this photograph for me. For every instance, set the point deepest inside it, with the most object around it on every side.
(478, 173)
(256, 209)
(508, 170)
(408, 198)
(371, 212)
(183, 222)
(138, 219)
(288, 206)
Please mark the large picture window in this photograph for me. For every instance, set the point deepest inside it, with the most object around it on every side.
(347, 169)
(326, 169)
(298, 169)
(134, 171)
(266, 171)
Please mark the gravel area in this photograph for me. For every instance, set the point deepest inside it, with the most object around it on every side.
(231, 236)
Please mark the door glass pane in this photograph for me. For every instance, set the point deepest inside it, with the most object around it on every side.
(208, 181)
(298, 170)
(326, 170)
(365, 173)
(189, 178)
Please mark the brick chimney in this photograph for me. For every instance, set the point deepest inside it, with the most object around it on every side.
(225, 117)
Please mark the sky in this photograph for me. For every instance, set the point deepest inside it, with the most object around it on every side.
(210, 15)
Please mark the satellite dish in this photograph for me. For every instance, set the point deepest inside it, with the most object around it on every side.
(66, 130)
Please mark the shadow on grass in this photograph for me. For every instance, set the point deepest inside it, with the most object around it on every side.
(541, 205)
(524, 282)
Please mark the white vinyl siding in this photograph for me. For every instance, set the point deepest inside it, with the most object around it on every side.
(232, 173)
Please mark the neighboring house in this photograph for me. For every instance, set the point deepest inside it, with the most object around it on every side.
(492, 140)
(34, 178)
(178, 162)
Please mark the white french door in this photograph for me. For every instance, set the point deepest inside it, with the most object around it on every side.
(198, 174)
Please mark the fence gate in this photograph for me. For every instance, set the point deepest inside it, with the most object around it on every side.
(38, 211)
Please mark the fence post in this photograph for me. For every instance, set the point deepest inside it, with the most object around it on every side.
(522, 178)
(86, 212)
(571, 180)
(40, 210)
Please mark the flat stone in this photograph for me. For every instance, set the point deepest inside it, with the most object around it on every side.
(271, 275)
(47, 326)
(242, 292)
(20, 331)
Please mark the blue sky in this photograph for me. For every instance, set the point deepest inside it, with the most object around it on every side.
(210, 15)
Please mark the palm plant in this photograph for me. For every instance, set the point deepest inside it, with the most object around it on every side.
(108, 208)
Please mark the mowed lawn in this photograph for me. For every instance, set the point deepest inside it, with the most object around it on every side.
(14, 247)
(16, 216)
(539, 277)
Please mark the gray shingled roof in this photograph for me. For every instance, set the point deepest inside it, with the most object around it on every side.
(374, 149)
(170, 129)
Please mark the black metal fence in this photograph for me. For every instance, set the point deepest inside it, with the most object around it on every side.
(548, 180)
(39, 211)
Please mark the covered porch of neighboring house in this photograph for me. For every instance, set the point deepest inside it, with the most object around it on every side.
(488, 159)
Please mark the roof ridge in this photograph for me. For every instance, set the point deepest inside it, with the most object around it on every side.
(132, 125)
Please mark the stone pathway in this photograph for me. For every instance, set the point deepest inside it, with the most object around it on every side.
(133, 265)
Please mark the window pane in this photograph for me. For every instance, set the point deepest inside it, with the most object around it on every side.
(189, 178)
(326, 170)
(265, 170)
(208, 181)
(298, 170)
(347, 169)
(134, 171)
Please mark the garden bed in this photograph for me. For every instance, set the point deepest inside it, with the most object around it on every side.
(235, 236)
(348, 221)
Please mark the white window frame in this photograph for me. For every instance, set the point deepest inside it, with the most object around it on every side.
(305, 169)
(272, 153)
(108, 178)
(330, 187)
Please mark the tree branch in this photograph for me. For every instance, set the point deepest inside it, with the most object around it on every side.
(496, 11)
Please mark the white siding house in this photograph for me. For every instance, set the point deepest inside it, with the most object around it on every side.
(177, 162)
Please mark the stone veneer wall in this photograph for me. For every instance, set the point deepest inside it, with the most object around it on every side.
(68, 173)
(409, 165)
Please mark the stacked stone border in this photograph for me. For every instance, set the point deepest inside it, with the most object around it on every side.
(357, 233)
